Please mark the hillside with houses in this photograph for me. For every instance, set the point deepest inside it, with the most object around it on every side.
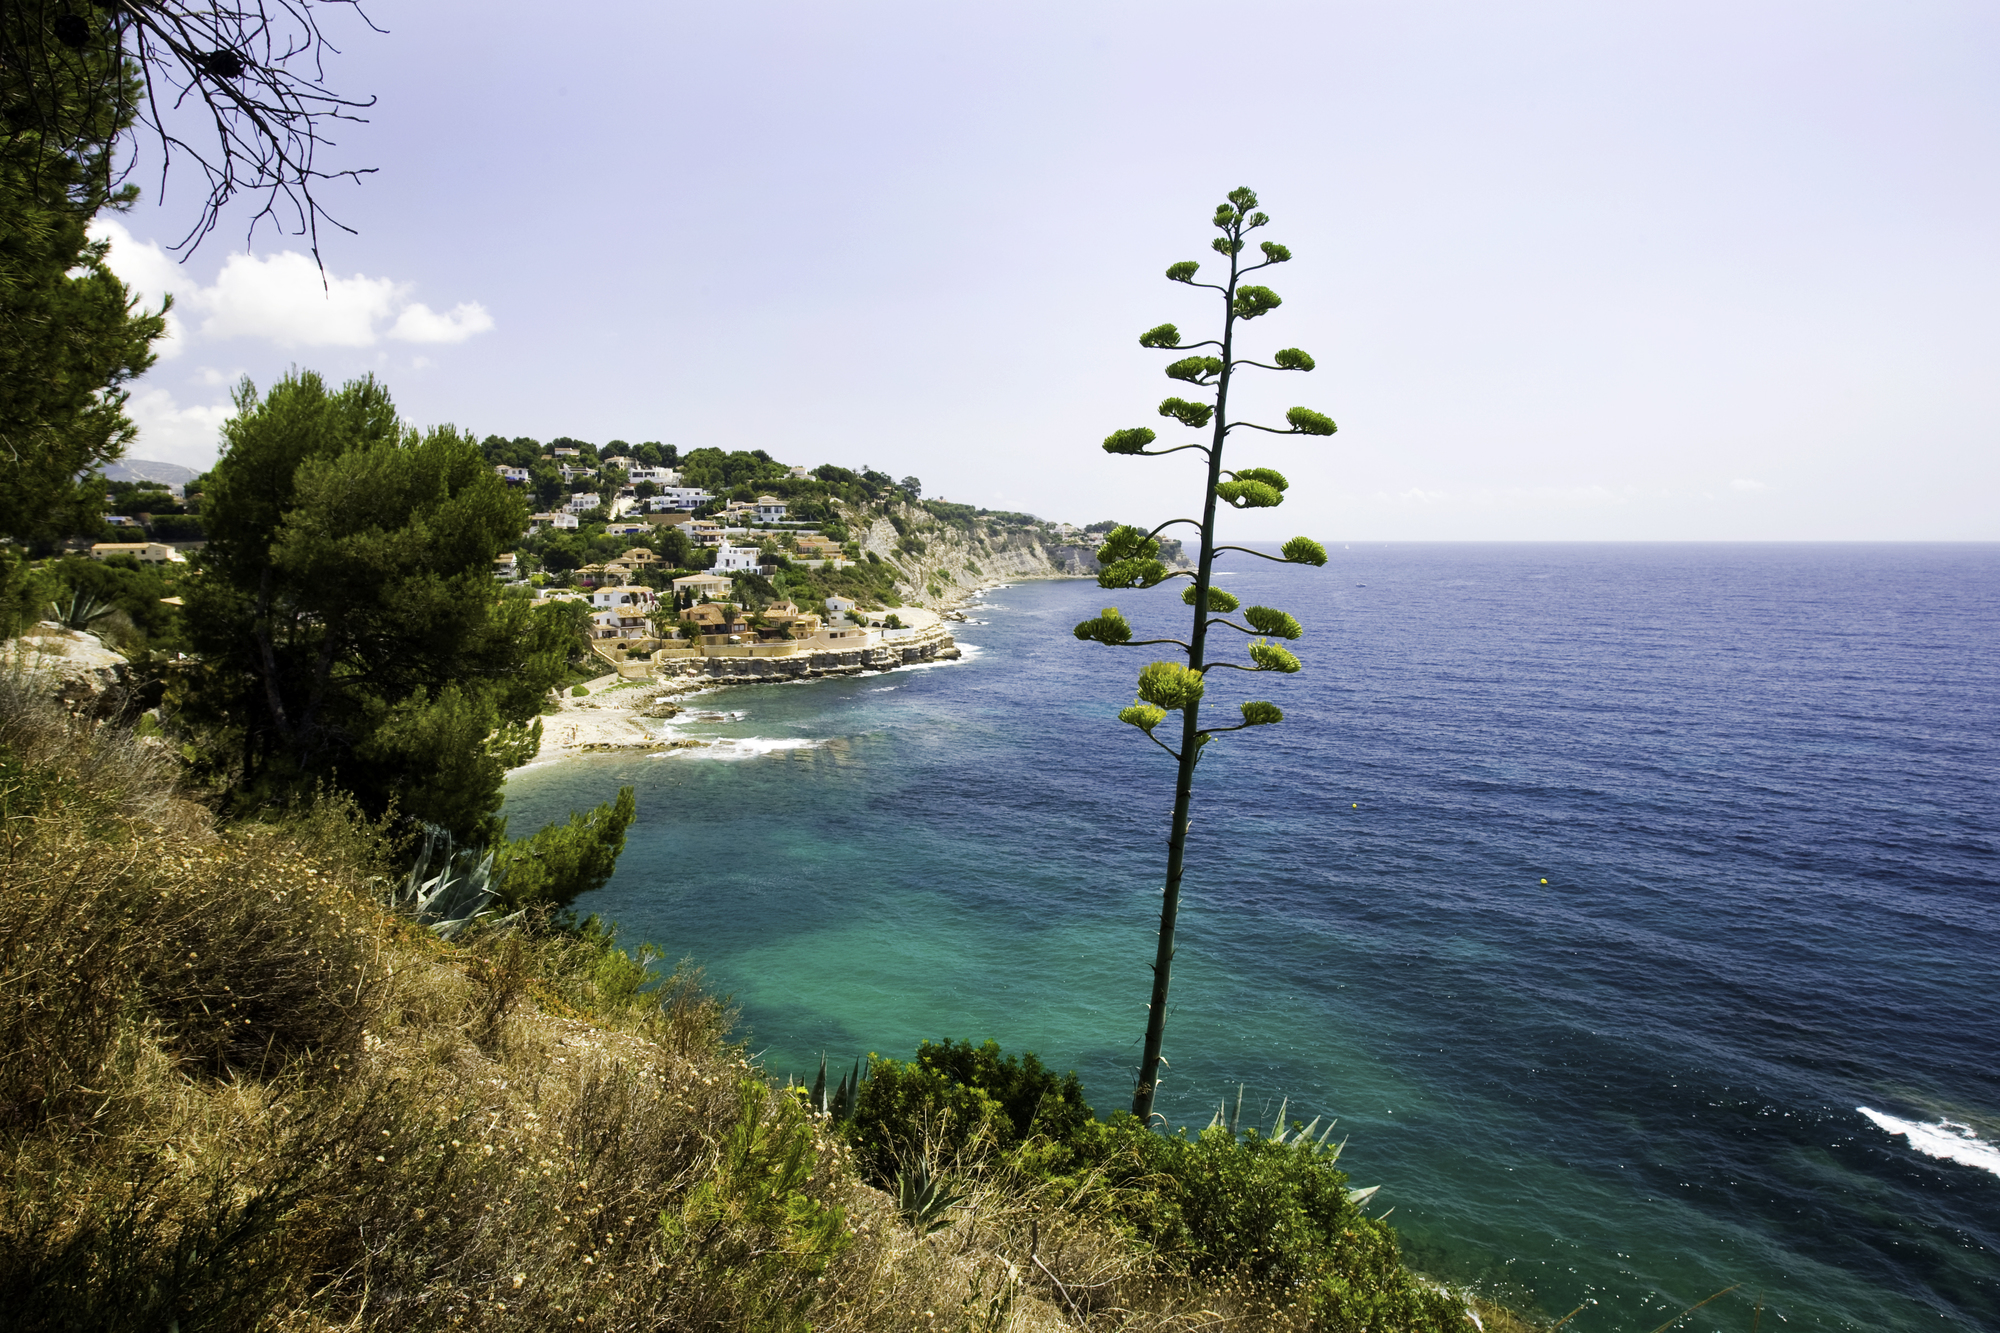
(732, 564)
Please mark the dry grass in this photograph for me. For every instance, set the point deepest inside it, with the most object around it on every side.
(236, 1094)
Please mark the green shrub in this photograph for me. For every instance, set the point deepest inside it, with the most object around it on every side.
(955, 1093)
(578, 692)
(1275, 1214)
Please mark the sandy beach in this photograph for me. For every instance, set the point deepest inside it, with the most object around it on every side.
(632, 714)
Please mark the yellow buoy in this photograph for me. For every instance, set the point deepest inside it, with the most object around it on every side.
(1544, 881)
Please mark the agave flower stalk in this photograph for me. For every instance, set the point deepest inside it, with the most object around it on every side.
(1129, 558)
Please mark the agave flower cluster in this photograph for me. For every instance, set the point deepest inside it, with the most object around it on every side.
(1130, 555)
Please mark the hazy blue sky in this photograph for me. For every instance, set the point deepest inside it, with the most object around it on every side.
(1570, 270)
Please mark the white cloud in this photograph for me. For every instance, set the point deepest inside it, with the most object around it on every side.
(170, 433)
(151, 274)
(420, 324)
(285, 298)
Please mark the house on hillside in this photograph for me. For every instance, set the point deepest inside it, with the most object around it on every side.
(583, 502)
(630, 563)
(701, 587)
(622, 611)
(680, 497)
(536, 522)
(513, 476)
(736, 559)
(146, 553)
(507, 567)
(566, 453)
(770, 509)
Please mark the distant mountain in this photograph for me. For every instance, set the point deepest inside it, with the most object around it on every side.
(145, 469)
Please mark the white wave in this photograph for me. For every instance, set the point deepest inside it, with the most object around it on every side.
(967, 652)
(884, 689)
(744, 747)
(1947, 1140)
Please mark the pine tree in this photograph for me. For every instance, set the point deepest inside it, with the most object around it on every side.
(1129, 558)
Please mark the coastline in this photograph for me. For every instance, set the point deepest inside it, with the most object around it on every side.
(613, 717)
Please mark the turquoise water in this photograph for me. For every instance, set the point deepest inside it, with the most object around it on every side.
(1759, 781)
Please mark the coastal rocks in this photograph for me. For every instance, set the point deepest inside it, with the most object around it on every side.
(85, 676)
(939, 563)
(812, 666)
(604, 747)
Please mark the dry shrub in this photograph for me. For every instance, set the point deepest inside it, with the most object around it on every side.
(234, 1094)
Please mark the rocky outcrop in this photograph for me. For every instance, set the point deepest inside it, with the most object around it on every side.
(940, 563)
(807, 666)
(84, 676)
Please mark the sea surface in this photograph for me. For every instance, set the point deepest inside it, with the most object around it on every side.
(1636, 909)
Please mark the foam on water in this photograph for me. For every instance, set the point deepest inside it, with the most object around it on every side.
(1946, 1140)
(744, 747)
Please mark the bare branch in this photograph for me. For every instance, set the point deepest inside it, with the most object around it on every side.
(236, 89)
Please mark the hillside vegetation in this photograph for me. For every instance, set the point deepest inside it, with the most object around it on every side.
(238, 1092)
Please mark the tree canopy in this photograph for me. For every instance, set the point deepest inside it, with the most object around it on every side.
(70, 336)
(349, 627)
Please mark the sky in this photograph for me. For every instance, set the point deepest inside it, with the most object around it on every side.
(1570, 271)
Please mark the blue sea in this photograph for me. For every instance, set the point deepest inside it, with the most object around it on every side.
(1636, 909)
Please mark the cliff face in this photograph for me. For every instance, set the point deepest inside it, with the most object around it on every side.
(940, 561)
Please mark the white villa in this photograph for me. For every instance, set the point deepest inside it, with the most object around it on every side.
(536, 522)
(584, 501)
(770, 509)
(730, 559)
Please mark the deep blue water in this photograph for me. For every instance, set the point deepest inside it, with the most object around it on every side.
(1762, 784)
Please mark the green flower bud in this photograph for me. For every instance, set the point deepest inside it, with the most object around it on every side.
(1257, 220)
(1128, 441)
(1253, 301)
(1291, 358)
(1243, 197)
(1165, 335)
(1308, 422)
(1222, 245)
(1182, 272)
(1257, 713)
(1304, 551)
(1134, 573)
(1249, 494)
(1263, 474)
(1269, 620)
(1195, 369)
(1126, 542)
(1272, 657)
(1275, 253)
(1143, 716)
(1188, 414)
(1170, 685)
(1224, 215)
(1218, 600)
(1110, 628)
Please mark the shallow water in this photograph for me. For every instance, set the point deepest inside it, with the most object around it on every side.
(1746, 1031)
